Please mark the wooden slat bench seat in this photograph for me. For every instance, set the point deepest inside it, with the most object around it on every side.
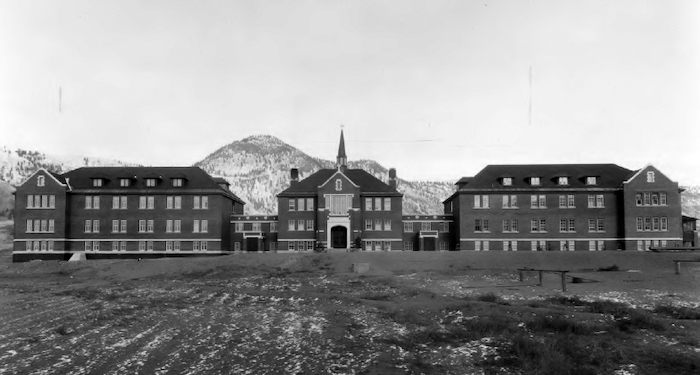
(541, 271)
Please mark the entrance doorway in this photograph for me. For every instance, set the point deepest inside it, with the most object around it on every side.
(252, 244)
(339, 237)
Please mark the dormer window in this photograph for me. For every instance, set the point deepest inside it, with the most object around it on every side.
(40, 181)
(563, 180)
(151, 182)
(535, 181)
(124, 182)
(97, 182)
(591, 180)
(507, 181)
(650, 177)
(177, 182)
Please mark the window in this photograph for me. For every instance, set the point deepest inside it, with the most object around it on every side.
(538, 201)
(30, 201)
(444, 227)
(638, 199)
(408, 227)
(168, 245)
(408, 246)
(273, 227)
(96, 182)
(195, 228)
(115, 245)
(338, 185)
(149, 245)
(300, 205)
(596, 201)
(119, 202)
(655, 223)
(387, 204)
(538, 226)
(378, 224)
(566, 201)
(654, 199)
(292, 225)
(40, 181)
(425, 226)
(377, 204)
(168, 226)
(256, 227)
(124, 182)
(567, 226)
(535, 181)
(562, 181)
(237, 246)
(300, 224)
(664, 224)
(596, 225)
(44, 201)
(507, 181)
(122, 246)
(203, 245)
(368, 204)
(650, 177)
(88, 245)
(142, 203)
(591, 225)
(662, 199)
(169, 203)
(647, 199)
(309, 204)
(647, 223)
(368, 224)
(51, 225)
(481, 225)
(95, 226)
(151, 182)
(481, 201)
(88, 226)
(591, 180)
(142, 226)
(178, 202)
(177, 182)
(238, 227)
(95, 246)
(292, 204)
(640, 225)
(309, 225)
(339, 203)
(151, 203)
(510, 201)
(387, 224)
(177, 226)
(291, 245)
(506, 225)
(562, 201)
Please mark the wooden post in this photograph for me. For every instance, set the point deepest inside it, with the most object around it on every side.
(678, 267)
(563, 281)
(540, 284)
(521, 275)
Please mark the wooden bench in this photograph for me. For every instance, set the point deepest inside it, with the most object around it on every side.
(561, 272)
(679, 261)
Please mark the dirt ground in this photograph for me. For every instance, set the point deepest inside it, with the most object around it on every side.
(416, 313)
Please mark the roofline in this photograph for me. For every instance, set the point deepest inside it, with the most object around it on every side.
(333, 175)
(45, 171)
(638, 173)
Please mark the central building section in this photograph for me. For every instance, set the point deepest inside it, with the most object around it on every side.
(340, 209)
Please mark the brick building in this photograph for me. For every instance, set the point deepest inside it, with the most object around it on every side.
(565, 207)
(122, 212)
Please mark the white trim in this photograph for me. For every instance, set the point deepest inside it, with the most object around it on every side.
(45, 172)
(296, 239)
(382, 239)
(124, 252)
(569, 239)
(430, 220)
(638, 173)
(116, 239)
(262, 221)
(652, 238)
(332, 176)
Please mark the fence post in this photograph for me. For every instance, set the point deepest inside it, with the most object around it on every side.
(521, 275)
(540, 284)
(563, 281)
(678, 267)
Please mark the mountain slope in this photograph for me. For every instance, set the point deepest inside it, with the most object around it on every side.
(258, 169)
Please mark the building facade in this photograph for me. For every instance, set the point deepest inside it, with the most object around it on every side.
(565, 207)
(122, 211)
(109, 212)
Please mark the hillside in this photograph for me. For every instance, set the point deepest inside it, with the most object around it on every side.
(258, 169)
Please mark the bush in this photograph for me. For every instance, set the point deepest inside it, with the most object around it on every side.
(488, 297)
(678, 312)
(614, 267)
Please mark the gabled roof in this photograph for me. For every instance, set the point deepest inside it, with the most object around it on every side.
(367, 183)
(608, 176)
(81, 178)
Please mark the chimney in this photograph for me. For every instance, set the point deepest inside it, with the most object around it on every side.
(294, 175)
(392, 178)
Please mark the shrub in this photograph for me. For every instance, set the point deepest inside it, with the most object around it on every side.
(614, 267)
(488, 297)
(678, 312)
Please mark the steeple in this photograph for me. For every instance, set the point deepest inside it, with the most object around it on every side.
(342, 159)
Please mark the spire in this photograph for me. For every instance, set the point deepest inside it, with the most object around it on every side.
(342, 159)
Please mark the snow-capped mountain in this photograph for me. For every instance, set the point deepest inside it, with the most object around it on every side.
(258, 169)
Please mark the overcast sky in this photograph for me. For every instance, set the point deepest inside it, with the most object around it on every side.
(437, 89)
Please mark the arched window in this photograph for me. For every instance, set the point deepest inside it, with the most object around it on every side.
(40, 181)
(650, 177)
(338, 185)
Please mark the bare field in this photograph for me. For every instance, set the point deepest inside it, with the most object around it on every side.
(416, 313)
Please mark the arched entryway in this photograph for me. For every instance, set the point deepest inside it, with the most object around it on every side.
(339, 237)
